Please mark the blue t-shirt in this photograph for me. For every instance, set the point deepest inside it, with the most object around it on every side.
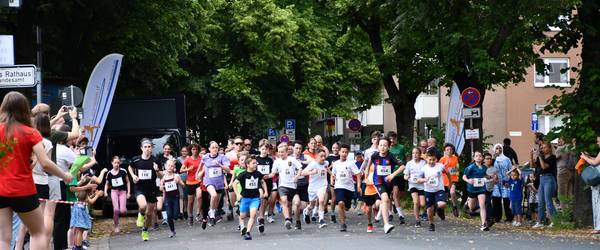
(516, 189)
(475, 172)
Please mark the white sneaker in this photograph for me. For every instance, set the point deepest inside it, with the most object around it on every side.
(518, 224)
(538, 225)
(388, 228)
(551, 225)
(270, 219)
(514, 223)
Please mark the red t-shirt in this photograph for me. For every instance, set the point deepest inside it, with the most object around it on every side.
(194, 164)
(16, 179)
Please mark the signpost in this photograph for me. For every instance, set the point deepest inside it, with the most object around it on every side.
(290, 129)
(10, 3)
(18, 76)
(284, 138)
(471, 98)
(272, 135)
(534, 122)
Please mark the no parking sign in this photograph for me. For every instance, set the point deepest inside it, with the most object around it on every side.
(471, 97)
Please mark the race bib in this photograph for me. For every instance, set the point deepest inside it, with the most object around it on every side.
(383, 170)
(323, 173)
(117, 182)
(453, 171)
(263, 169)
(214, 172)
(252, 183)
(170, 186)
(342, 175)
(145, 174)
(287, 172)
(274, 186)
(433, 182)
(478, 182)
(413, 179)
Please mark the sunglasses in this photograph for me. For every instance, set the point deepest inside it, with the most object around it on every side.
(238, 143)
(247, 144)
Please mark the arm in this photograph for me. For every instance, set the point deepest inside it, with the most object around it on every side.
(57, 117)
(590, 160)
(132, 173)
(106, 188)
(543, 165)
(128, 187)
(264, 188)
(88, 165)
(159, 173)
(102, 175)
(179, 181)
(74, 134)
(48, 165)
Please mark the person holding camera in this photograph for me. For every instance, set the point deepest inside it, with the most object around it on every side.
(595, 163)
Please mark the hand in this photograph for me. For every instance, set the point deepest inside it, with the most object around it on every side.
(61, 111)
(226, 185)
(135, 179)
(389, 178)
(68, 177)
(73, 113)
(359, 190)
(128, 195)
(91, 186)
(296, 178)
(471, 181)
(265, 195)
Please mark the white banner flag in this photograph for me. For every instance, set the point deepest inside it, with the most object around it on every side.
(98, 96)
(455, 122)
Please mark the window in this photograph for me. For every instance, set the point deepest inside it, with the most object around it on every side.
(547, 122)
(556, 73)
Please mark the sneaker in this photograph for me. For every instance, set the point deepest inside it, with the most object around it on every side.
(343, 228)
(85, 244)
(322, 224)
(376, 220)
(244, 231)
(211, 222)
(145, 235)
(288, 224)
(518, 224)
(313, 218)
(306, 218)
(261, 225)
(418, 224)
(402, 221)
(164, 222)
(185, 216)
(538, 225)
(370, 228)
(190, 221)
(171, 234)
(388, 228)
(432, 227)
(333, 220)
(455, 211)
(441, 213)
(551, 225)
(140, 220)
(484, 228)
(298, 225)
(218, 219)
(204, 223)
(390, 217)
(514, 223)
(156, 226)
(270, 219)
(247, 236)
(230, 217)
(239, 228)
(424, 216)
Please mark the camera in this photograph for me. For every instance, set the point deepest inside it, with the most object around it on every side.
(87, 150)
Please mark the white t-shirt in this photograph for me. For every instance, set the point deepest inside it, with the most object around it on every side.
(414, 171)
(64, 157)
(368, 153)
(436, 183)
(286, 169)
(40, 177)
(343, 172)
(318, 180)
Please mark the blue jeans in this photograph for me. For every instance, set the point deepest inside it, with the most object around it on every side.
(16, 223)
(172, 206)
(546, 192)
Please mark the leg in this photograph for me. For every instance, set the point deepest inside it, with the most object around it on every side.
(150, 213)
(322, 200)
(199, 199)
(497, 203)
(482, 208)
(507, 210)
(542, 201)
(49, 218)
(190, 204)
(114, 196)
(252, 218)
(453, 195)
(296, 207)
(31, 220)
(550, 190)
(6, 222)
(284, 203)
(385, 207)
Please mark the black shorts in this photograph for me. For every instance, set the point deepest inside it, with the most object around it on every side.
(150, 195)
(287, 192)
(474, 195)
(370, 199)
(431, 199)
(43, 191)
(190, 190)
(158, 192)
(399, 182)
(269, 184)
(302, 191)
(415, 190)
(21, 204)
(386, 187)
(344, 195)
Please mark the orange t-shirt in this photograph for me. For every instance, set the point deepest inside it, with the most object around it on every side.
(195, 165)
(370, 188)
(16, 179)
(451, 166)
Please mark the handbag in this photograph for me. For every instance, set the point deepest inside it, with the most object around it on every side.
(591, 175)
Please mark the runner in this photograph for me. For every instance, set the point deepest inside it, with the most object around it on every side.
(191, 166)
(375, 135)
(161, 161)
(474, 176)
(450, 162)
(434, 187)
(382, 179)
(412, 173)
(144, 170)
(182, 190)
(248, 183)
(265, 165)
(397, 151)
(168, 186)
(341, 178)
(213, 167)
(237, 170)
(117, 181)
(288, 169)
(334, 156)
(233, 161)
(318, 187)
(301, 200)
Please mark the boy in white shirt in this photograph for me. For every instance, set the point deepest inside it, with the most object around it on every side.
(343, 183)
(289, 170)
(434, 186)
(318, 187)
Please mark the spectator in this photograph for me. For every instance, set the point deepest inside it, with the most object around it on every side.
(594, 162)
(566, 160)
(500, 195)
(248, 147)
(545, 161)
(509, 152)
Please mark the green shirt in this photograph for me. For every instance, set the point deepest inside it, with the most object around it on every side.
(237, 170)
(71, 195)
(399, 153)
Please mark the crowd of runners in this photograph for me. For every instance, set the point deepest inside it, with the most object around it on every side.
(292, 184)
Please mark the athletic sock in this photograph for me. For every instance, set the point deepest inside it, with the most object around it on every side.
(400, 212)
(321, 215)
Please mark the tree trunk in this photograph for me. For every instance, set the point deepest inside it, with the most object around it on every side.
(463, 80)
(405, 117)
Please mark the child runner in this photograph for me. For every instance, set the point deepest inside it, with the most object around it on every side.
(412, 173)
(491, 174)
(434, 186)
(265, 165)
(289, 170)
(120, 190)
(383, 163)
(190, 166)
(237, 170)
(301, 200)
(334, 156)
(168, 186)
(317, 188)
(450, 162)
(397, 151)
(516, 195)
(474, 176)
(80, 217)
(343, 184)
(214, 164)
(249, 182)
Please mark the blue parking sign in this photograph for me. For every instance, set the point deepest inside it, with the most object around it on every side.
(272, 132)
(534, 122)
(290, 124)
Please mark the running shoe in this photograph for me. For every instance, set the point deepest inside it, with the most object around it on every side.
(261, 225)
(140, 220)
(270, 219)
(145, 235)
(156, 227)
(244, 231)
(343, 228)
(370, 228)
(85, 244)
(441, 213)
(538, 225)
(204, 223)
(390, 217)
(418, 224)
(230, 217)
(322, 224)
(172, 234)
(333, 220)
(313, 218)
(455, 211)
(190, 221)
(432, 227)
(298, 225)
(484, 227)
(402, 221)
(247, 236)
(288, 224)
(388, 228)
(218, 219)
(211, 222)
(306, 217)
(164, 222)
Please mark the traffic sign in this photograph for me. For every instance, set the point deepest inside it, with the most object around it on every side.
(273, 140)
(354, 125)
(534, 122)
(471, 134)
(471, 113)
(290, 131)
(18, 76)
(354, 135)
(471, 97)
(7, 50)
(271, 132)
(290, 124)
(10, 3)
(284, 138)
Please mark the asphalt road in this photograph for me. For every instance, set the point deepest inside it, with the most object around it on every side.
(449, 234)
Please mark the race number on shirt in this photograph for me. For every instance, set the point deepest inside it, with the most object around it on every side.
(145, 174)
(263, 169)
(117, 182)
(413, 179)
(433, 182)
(170, 186)
(323, 173)
(251, 183)
(342, 175)
(214, 172)
(454, 171)
(383, 170)
(478, 182)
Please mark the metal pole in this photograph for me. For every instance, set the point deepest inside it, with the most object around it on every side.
(38, 43)
(472, 150)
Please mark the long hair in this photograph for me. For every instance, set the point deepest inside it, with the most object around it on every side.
(14, 110)
(41, 122)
